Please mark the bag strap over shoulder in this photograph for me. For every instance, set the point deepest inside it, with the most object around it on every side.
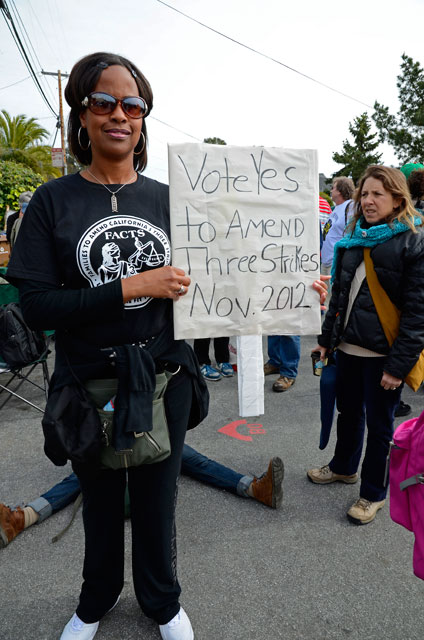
(389, 316)
(387, 312)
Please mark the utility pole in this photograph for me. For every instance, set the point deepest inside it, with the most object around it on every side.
(62, 123)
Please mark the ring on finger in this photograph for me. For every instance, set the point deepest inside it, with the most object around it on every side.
(181, 290)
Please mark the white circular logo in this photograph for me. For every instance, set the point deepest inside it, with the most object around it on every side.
(121, 246)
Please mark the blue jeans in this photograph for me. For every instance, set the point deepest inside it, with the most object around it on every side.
(201, 468)
(194, 464)
(56, 498)
(358, 387)
(284, 352)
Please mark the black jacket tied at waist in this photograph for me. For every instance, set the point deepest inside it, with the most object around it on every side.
(135, 368)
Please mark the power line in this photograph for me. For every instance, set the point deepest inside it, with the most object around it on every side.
(27, 40)
(41, 30)
(13, 83)
(64, 40)
(175, 128)
(15, 35)
(264, 55)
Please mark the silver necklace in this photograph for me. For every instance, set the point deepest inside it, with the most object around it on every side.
(113, 198)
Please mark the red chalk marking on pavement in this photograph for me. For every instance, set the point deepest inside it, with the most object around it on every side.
(256, 428)
(231, 429)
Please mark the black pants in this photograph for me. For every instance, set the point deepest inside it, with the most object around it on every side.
(359, 391)
(220, 345)
(153, 492)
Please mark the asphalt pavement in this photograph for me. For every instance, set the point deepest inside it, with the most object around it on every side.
(247, 572)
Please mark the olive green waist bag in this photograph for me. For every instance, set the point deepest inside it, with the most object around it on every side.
(149, 446)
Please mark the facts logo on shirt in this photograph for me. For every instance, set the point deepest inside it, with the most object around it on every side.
(121, 246)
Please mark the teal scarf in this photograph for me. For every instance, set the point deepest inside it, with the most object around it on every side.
(362, 237)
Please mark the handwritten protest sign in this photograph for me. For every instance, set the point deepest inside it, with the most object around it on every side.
(244, 226)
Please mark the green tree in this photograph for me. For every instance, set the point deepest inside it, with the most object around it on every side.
(14, 179)
(214, 141)
(356, 157)
(72, 164)
(20, 139)
(325, 195)
(20, 132)
(405, 131)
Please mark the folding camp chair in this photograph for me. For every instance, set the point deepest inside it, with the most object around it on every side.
(22, 374)
(19, 375)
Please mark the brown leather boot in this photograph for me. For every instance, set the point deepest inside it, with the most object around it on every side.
(268, 487)
(270, 368)
(12, 522)
(283, 384)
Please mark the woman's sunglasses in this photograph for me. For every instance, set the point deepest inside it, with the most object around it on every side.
(103, 103)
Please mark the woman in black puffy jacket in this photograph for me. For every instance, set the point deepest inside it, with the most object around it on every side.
(370, 372)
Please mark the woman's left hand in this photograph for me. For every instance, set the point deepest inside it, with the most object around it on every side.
(390, 383)
(321, 286)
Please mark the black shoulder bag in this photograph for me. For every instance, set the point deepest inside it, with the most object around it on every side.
(71, 425)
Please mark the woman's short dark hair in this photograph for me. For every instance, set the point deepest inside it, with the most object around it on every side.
(82, 81)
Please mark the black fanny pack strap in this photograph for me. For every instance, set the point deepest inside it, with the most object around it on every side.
(75, 508)
(74, 375)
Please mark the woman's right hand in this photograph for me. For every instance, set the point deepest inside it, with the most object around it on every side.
(322, 287)
(165, 282)
(322, 350)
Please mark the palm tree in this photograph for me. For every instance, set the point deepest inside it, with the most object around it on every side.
(19, 133)
(20, 139)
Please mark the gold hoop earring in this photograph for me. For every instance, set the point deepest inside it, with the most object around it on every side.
(137, 153)
(79, 140)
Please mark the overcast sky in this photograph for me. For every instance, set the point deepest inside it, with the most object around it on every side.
(205, 85)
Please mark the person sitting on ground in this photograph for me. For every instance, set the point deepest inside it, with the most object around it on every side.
(266, 488)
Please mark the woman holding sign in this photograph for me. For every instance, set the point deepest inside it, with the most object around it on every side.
(92, 261)
(376, 322)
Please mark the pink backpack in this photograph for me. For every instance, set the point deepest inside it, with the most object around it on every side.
(407, 484)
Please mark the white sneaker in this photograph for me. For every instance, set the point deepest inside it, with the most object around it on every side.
(179, 628)
(76, 629)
